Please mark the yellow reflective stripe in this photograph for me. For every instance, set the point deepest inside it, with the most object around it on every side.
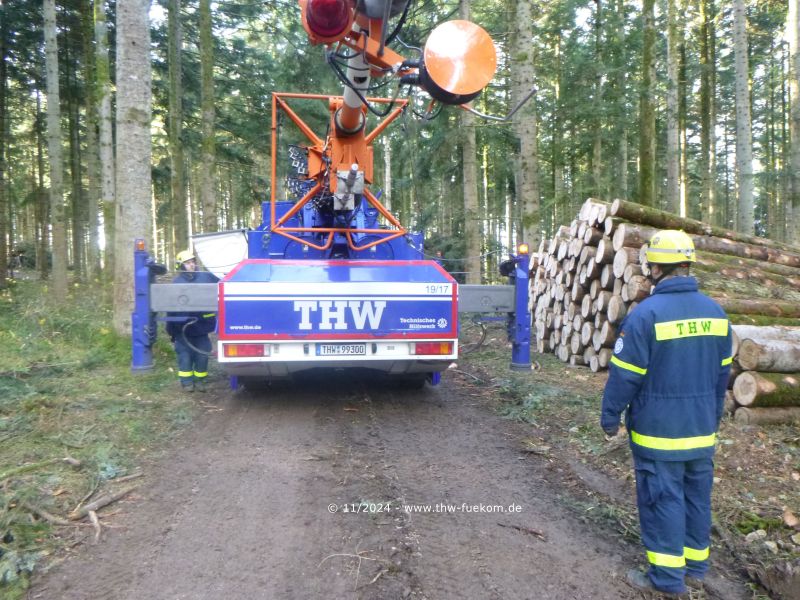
(697, 555)
(726, 361)
(665, 560)
(185, 373)
(197, 374)
(209, 315)
(659, 443)
(628, 366)
(671, 330)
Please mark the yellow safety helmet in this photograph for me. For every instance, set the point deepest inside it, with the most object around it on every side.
(670, 247)
(183, 256)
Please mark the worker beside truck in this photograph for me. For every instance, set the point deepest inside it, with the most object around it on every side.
(189, 331)
(669, 373)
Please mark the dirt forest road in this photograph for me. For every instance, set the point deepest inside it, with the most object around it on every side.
(250, 504)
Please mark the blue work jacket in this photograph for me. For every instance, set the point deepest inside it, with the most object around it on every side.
(195, 324)
(670, 370)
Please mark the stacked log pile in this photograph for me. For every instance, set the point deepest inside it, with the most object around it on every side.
(592, 273)
(765, 380)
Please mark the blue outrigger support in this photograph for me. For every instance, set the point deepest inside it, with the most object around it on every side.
(510, 299)
(521, 334)
(144, 327)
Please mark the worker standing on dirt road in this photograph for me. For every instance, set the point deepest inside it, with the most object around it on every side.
(189, 334)
(670, 371)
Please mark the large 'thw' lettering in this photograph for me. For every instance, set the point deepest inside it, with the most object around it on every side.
(332, 314)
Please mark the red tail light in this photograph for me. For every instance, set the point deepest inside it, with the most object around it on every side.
(328, 18)
(245, 350)
(433, 348)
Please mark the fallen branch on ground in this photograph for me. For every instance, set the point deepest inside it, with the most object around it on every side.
(49, 517)
(79, 514)
(96, 524)
(33, 466)
(528, 530)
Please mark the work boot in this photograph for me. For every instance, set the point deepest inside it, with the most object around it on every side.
(187, 387)
(694, 583)
(200, 385)
(642, 582)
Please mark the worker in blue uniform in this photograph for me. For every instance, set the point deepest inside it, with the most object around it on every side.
(189, 331)
(669, 372)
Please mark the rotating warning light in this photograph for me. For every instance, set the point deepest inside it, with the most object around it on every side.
(523, 249)
(327, 21)
(459, 60)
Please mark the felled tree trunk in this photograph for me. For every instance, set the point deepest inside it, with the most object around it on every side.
(772, 308)
(772, 356)
(765, 416)
(660, 219)
(767, 389)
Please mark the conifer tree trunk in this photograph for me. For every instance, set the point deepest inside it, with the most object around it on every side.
(133, 150)
(597, 134)
(207, 174)
(104, 132)
(713, 202)
(793, 36)
(4, 250)
(556, 158)
(525, 126)
(673, 141)
(683, 85)
(42, 198)
(92, 156)
(622, 126)
(76, 183)
(55, 155)
(647, 114)
(469, 163)
(744, 134)
(706, 126)
(180, 225)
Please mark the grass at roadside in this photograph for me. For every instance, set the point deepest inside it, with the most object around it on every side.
(66, 390)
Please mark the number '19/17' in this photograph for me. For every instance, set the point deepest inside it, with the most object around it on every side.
(437, 289)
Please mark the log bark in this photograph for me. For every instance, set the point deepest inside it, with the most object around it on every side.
(766, 416)
(772, 356)
(772, 332)
(748, 306)
(767, 389)
(632, 235)
(663, 220)
(748, 270)
(743, 250)
(711, 281)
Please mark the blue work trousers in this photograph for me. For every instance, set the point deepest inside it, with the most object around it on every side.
(192, 358)
(674, 501)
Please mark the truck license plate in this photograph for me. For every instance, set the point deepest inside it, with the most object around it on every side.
(341, 349)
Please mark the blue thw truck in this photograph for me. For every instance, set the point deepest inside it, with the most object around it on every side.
(331, 278)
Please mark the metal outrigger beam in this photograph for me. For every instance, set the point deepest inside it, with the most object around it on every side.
(151, 298)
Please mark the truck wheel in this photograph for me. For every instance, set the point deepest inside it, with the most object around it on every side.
(254, 384)
(415, 381)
